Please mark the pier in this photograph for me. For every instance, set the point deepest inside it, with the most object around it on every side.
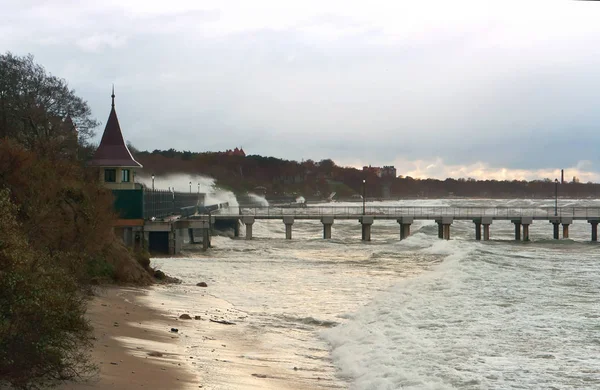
(482, 218)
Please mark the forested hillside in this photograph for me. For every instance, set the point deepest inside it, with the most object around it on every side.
(317, 180)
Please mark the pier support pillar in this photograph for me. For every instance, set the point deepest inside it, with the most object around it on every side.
(205, 238)
(478, 231)
(525, 222)
(486, 222)
(175, 241)
(327, 223)
(444, 227)
(446, 231)
(555, 230)
(405, 223)
(517, 230)
(288, 221)
(594, 224)
(191, 235)
(566, 221)
(486, 232)
(565, 230)
(366, 223)
(248, 221)
(236, 229)
(525, 232)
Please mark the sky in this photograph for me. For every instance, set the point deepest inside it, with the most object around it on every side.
(489, 90)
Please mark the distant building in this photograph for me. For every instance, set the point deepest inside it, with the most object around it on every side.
(235, 152)
(374, 170)
(388, 171)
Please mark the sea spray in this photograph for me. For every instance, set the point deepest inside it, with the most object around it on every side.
(260, 200)
(191, 183)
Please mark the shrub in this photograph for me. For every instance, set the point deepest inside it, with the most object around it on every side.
(44, 335)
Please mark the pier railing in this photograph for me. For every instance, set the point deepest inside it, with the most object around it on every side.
(416, 212)
(162, 203)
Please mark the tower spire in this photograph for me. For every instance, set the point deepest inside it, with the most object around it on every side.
(113, 96)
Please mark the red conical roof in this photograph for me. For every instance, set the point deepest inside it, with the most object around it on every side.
(113, 151)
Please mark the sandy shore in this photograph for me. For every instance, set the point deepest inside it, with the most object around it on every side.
(226, 353)
(134, 347)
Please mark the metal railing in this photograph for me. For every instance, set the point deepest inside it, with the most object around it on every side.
(419, 212)
(163, 203)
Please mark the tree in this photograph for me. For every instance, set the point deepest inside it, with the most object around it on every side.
(44, 335)
(38, 109)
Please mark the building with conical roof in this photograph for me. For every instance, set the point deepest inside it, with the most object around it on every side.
(117, 165)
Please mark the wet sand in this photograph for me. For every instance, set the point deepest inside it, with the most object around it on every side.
(134, 347)
(226, 355)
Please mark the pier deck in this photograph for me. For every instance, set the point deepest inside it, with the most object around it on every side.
(423, 213)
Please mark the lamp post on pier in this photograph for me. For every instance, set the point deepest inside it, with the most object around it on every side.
(198, 188)
(364, 194)
(190, 187)
(555, 197)
(153, 182)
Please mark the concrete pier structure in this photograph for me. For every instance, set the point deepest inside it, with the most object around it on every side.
(555, 230)
(594, 225)
(486, 231)
(405, 223)
(366, 223)
(485, 222)
(517, 230)
(288, 221)
(248, 220)
(566, 221)
(327, 223)
(205, 239)
(525, 232)
(444, 224)
(167, 235)
(524, 222)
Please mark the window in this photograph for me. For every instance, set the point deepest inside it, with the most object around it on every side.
(110, 175)
(125, 175)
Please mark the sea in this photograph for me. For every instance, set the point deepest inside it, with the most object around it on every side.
(421, 313)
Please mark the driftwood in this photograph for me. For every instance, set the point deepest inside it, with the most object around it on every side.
(222, 322)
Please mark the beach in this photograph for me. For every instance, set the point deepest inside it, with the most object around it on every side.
(133, 345)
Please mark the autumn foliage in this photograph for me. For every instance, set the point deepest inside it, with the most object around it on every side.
(56, 229)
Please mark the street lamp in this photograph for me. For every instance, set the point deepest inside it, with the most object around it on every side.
(153, 182)
(555, 197)
(190, 187)
(364, 194)
(198, 188)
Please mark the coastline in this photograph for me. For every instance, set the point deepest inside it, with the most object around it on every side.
(226, 355)
(133, 346)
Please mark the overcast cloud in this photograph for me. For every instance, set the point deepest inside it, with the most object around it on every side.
(503, 89)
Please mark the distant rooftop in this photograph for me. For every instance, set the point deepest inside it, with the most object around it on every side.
(113, 151)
